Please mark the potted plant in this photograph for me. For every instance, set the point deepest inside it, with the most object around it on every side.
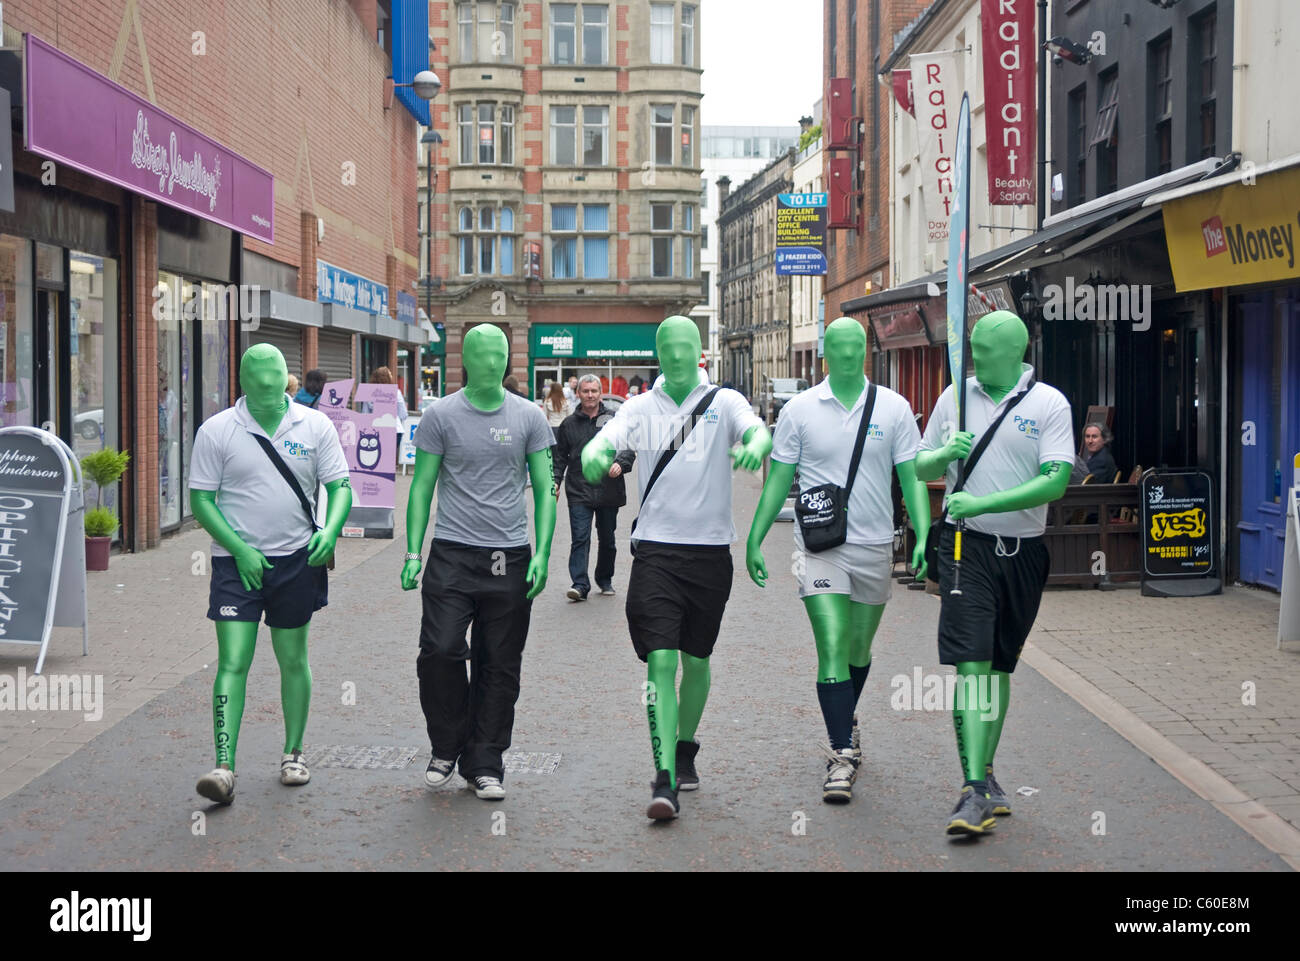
(104, 467)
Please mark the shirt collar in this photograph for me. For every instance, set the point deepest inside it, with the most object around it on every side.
(824, 392)
(703, 382)
(246, 420)
(1026, 372)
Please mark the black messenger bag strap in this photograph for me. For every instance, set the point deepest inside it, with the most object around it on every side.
(867, 408)
(289, 479)
(985, 440)
(677, 443)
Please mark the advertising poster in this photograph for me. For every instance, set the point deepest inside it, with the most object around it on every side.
(800, 234)
(1178, 536)
(336, 394)
(934, 87)
(382, 398)
(1009, 75)
(370, 446)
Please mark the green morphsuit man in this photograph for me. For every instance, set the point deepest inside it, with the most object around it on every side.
(477, 446)
(990, 594)
(844, 588)
(268, 556)
(681, 571)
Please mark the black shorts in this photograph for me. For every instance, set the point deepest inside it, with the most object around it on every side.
(992, 617)
(486, 586)
(290, 594)
(676, 597)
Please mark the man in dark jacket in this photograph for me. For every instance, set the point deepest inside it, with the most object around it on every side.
(586, 501)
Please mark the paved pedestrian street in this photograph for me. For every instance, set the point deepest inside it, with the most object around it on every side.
(117, 793)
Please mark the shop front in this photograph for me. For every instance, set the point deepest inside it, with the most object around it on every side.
(621, 355)
(1236, 240)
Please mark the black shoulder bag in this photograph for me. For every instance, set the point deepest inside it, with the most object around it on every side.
(936, 528)
(823, 511)
(292, 481)
(677, 443)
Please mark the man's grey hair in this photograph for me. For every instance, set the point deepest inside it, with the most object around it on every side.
(587, 377)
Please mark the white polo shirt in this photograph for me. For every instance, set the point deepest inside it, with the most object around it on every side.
(258, 503)
(817, 434)
(1039, 431)
(691, 500)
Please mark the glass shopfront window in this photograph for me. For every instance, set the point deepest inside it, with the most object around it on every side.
(92, 345)
(171, 497)
(17, 341)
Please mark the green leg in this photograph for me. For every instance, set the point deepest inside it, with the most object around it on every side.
(295, 682)
(1001, 699)
(973, 730)
(832, 621)
(661, 710)
(696, 679)
(236, 641)
(865, 621)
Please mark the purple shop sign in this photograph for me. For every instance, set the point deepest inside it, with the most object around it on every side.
(81, 118)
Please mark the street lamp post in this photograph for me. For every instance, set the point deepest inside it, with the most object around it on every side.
(430, 139)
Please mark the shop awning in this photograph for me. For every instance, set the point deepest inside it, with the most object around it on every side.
(288, 309)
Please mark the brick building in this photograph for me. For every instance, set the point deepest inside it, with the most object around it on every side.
(178, 155)
(566, 183)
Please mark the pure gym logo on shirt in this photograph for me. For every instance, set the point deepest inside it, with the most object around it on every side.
(710, 416)
(1027, 426)
(501, 435)
(875, 431)
(295, 449)
(99, 915)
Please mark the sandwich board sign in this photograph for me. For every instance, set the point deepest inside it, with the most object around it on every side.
(42, 540)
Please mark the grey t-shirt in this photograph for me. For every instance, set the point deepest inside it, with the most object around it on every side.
(484, 466)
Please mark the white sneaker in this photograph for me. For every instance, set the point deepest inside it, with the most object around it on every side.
(841, 771)
(488, 788)
(438, 772)
(292, 770)
(218, 785)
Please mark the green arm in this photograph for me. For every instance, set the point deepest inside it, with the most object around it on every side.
(597, 457)
(755, 445)
(917, 499)
(417, 512)
(321, 545)
(542, 473)
(248, 560)
(930, 464)
(1049, 485)
(779, 477)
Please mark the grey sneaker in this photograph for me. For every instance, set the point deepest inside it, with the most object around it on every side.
(841, 771)
(438, 772)
(574, 594)
(292, 770)
(997, 796)
(972, 815)
(488, 788)
(218, 785)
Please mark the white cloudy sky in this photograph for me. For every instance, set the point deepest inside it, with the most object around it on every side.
(762, 60)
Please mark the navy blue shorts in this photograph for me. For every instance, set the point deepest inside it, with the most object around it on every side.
(291, 592)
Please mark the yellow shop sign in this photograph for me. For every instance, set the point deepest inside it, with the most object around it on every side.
(1237, 234)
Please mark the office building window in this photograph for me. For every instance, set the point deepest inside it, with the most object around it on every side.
(595, 248)
(661, 33)
(507, 134)
(465, 118)
(688, 136)
(1162, 107)
(1105, 136)
(593, 236)
(486, 31)
(688, 36)
(564, 33)
(487, 132)
(1203, 100)
(1078, 147)
(704, 193)
(485, 240)
(564, 241)
(704, 236)
(595, 34)
(661, 247)
(595, 136)
(661, 133)
(688, 241)
(563, 132)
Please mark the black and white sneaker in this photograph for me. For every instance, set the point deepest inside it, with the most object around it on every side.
(438, 772)
(841, 771)
(663, 803)
(487, 787)
(218, 785)
(855, 740)
(687, 779)
(607, 590)
(574, 594)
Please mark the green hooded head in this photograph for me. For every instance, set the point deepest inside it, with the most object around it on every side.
(677, 342)
(486, 351)
(263, 378)
(845, 348)
(997, 347)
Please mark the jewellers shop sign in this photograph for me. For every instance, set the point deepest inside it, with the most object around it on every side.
(82, 119)
(42, 547)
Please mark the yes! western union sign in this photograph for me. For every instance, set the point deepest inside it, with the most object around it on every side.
(1238, 234)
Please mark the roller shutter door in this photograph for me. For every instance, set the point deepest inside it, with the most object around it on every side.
(287, 338)
(334, 353)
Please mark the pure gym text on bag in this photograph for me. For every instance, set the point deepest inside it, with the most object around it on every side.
(823, 511)
(936, 528)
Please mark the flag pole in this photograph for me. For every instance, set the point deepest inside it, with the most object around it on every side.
(958, 268)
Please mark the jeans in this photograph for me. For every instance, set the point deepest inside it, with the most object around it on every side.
(580, 516)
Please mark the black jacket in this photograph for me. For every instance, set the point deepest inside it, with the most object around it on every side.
(1101, 466)
(570, 438)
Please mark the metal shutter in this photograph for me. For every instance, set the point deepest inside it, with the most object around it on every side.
(334, 354)
(287, 338)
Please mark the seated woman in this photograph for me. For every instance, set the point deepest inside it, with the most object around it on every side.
(1100, 463)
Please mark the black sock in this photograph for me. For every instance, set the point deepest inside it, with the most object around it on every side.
(837, 710)
(981, 787)
(859, 677)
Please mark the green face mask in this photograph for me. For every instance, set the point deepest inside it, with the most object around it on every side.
(677, 343)
(263, 377)
(997, 346)
(486, 352)
(845, 349)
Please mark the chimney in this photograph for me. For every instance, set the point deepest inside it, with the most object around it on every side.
(724, 190)
(805, 124)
